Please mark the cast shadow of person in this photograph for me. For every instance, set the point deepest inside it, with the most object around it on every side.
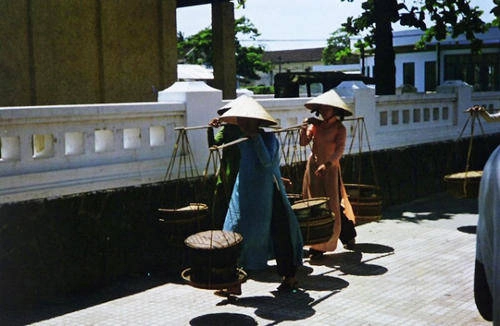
(278, 307)
(292, 305)
(307, 281)
(352, 263)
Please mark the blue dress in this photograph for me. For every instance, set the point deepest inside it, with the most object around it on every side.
(251, 206)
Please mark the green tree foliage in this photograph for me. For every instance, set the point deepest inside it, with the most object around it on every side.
(338, 47)
(446, 17)
(198, 49)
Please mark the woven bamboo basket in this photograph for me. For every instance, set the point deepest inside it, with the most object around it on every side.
(366, 202)
(213, 257)
(184, 221)
(463, 184)
(318, 230)
(315, 219)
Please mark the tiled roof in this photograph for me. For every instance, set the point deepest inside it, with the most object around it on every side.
(299, 55)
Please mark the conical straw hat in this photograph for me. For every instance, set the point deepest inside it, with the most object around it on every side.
(225, 108)
(246, 107)
(332, 99)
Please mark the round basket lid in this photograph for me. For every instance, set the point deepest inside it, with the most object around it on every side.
(464, 175)
(306, 203)
(213, 239)
(194, 207)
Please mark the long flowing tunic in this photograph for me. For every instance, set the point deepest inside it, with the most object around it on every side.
(488, 236)
(251, 205)
(328, 143)
(229, 166)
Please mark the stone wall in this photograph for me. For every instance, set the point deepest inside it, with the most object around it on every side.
(413, 172)
(62, 52)
(78, 243)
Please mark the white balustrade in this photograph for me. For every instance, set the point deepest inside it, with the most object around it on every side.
(48, 151)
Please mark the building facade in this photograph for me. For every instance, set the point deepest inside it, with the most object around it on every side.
(446, 60)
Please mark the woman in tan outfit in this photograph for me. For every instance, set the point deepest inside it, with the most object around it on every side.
(322, 175)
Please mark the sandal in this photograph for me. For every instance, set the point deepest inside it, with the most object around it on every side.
(351, 244)
(315, 254)
(226, 293)
(288, 284)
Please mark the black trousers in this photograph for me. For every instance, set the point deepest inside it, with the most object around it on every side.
(348, 232)
(280, 234)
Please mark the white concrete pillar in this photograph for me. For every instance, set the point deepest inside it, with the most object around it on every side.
(201, 104)
(363, 98)
(463, 92)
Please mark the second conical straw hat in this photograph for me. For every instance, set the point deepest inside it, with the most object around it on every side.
(246, 107)
(330, 98)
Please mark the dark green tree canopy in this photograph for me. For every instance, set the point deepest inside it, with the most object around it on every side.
(198, 49)
(338, 47)
(447, 17)
(437, 18)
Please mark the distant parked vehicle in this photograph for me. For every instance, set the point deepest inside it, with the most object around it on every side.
(297, 84)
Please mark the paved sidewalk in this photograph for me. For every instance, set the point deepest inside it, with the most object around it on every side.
(414, 267)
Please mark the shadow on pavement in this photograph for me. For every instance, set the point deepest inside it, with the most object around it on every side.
(471, 229)
(372, 248)
(438, 206)
(225, 318)
(281, 306)
(351, 262)
(28, 314)
(304, 277)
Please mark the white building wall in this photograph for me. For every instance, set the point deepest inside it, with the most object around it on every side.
(410, 37)
(419, 59)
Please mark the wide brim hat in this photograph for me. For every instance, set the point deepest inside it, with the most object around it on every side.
(331, 99)
(246, 107)
(223, 109)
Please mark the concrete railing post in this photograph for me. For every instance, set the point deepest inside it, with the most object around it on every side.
(463, 92)
(201, 103)
(363, 99)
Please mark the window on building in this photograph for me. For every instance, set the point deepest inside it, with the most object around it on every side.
(383, 118)
(394, 117)
(427, 114)
(416, 115)
(430, 76)
(409, 73)
(444, 113)
(435, 114)
(480, 71)
(406, 116)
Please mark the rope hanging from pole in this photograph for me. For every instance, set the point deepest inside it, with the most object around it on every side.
(184, 159)
(293, 155)
(360, 131)
(473, 117)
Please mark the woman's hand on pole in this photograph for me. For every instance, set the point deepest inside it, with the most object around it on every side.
(215, 122)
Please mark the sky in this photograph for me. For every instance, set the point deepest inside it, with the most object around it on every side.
(292, 24)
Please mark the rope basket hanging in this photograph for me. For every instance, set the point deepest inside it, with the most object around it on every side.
(465, 184)
(184, 218)
(315, 219)
(213, 260)
(365, 199)
(293, 158)
(213, 254)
